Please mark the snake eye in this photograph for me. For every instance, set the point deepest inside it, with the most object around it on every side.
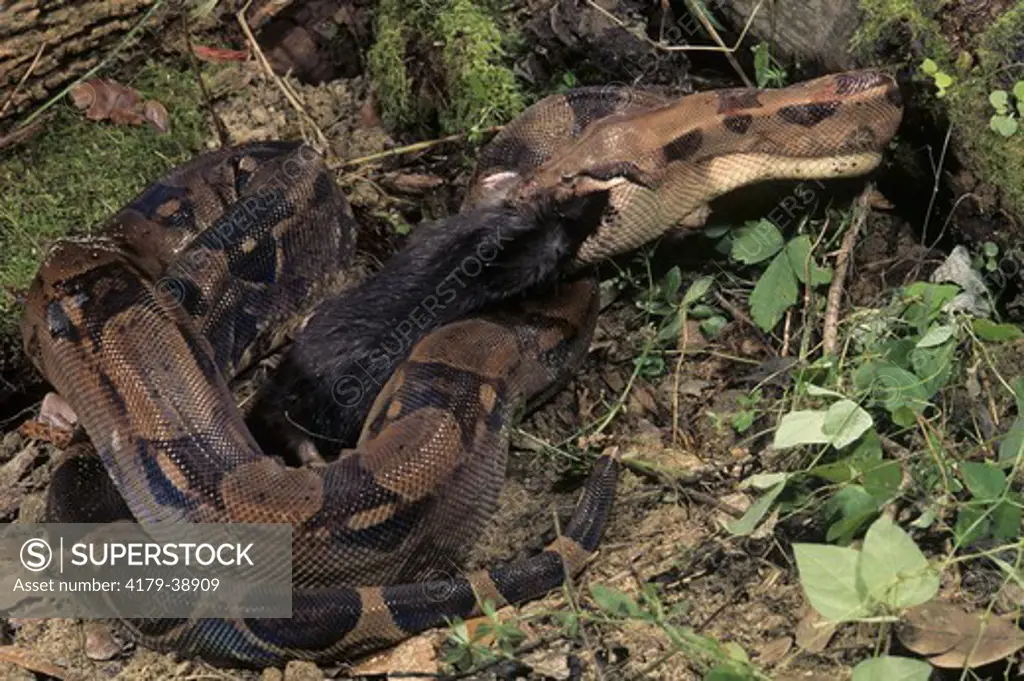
(567, 178)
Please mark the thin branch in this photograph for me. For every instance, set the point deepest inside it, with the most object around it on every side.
(31, 68)
(681, 48)
(830, 334)
(281, 85)
(410, 148)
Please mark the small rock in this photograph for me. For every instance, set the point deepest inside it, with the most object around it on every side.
(272, 674)
(298, 670)
(100, 642)
(415, 655)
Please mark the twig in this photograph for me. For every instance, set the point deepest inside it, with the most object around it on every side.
(222, 133)
(410, 148)
(31, 68)
(281, 85)
(706, 23)
(684, 339)
(935, 185)
(678, 483)
(25, 659)
(830, 334)
(805, 337)
(128, 38)
(680, 48)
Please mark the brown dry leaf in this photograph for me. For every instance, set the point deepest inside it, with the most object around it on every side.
(814, 631)
(104, 99)
(29, 660)
(956, 638)
(219, 54)
(156, 114)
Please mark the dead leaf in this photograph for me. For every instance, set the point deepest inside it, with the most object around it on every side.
(156, 114)
(219, 54)
(813, 632)
(104, 99)
(773, 651)
(958, 639)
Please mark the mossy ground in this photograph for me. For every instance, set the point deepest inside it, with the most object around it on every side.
(463, 41)
(77, 173)
(984, 61)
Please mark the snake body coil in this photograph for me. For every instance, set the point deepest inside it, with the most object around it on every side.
(141, 327)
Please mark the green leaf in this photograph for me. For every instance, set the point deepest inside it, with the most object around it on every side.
(971, 525)
(670, 331)
(985, 481)
(1012, 444)
(926, 301)
(698, 289)
(990, 249)
(774, 293)
(988, 330)
(800, 428)
(1013, 572)
(671, 283)
(1018, 90)
(1000, 100)
(755, 242)
(1004, 125)
(892, 570)
(848, 510)
(761, 63)
(943, 80)
(764, 481)
(937, 335)
(883, 480)
(614, 602)
(889, 668)
(712, 326)
(799, 250)
(929, 67)
(933, 366)
(1006, 519)
(818, 391)
(750, 520)
(728, 672)
(891, 386)
(845, 421)
(829, 577)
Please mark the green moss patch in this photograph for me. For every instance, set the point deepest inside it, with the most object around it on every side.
(463, 41)
(77, 173)
(986, 64)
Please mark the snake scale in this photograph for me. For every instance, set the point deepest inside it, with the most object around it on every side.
(414, 376)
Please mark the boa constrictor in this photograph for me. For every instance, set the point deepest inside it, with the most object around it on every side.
(141, 326)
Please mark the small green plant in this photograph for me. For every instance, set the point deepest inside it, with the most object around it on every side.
(767, 71)
(791, 263)
(723, 661)
(670, 308)
(469, 650)
(941, 79)
(747, 412)
(987, 260)
(1006, 119)
(888, 575)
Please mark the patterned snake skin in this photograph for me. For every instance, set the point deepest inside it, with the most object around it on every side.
(141, 327)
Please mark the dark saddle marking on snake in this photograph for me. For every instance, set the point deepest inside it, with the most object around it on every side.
(141, 327)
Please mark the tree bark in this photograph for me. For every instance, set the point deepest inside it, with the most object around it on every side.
(807, 30)
(69, 37)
